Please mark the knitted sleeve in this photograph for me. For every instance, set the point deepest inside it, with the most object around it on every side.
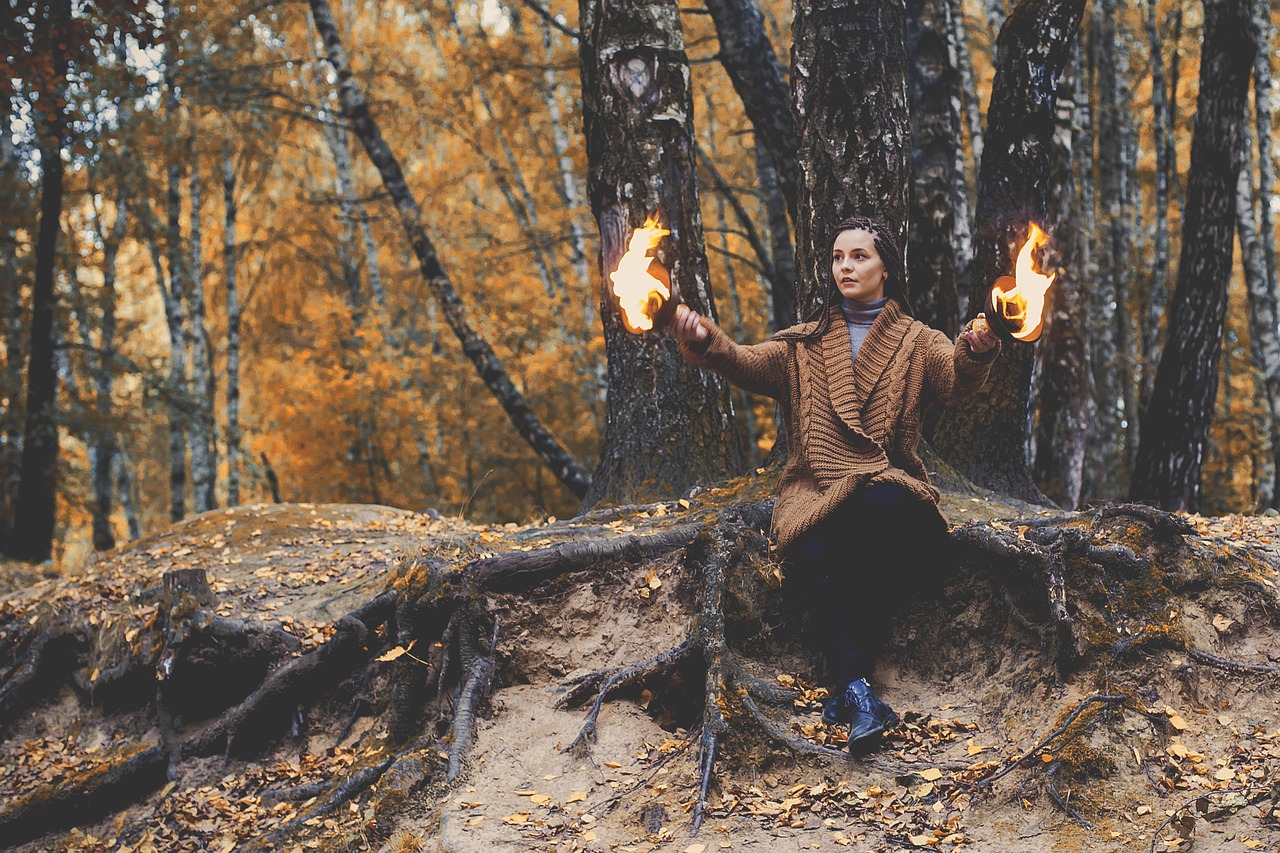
(953, 371)
(760, 369)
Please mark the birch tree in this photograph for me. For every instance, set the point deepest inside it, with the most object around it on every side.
(668, 424)
(987, 438)
(1175, 427)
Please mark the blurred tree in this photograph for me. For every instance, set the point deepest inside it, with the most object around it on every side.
(1175, 426)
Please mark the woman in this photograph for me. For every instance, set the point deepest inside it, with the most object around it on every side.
(856, 518)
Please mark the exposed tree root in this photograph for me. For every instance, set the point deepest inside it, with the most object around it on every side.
(1116, 700)
(1230, 665)
(1063, 802)
(440, 619)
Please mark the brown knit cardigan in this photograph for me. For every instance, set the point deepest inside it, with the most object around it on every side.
(847, 428)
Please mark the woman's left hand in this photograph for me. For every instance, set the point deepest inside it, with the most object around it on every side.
(981, 339)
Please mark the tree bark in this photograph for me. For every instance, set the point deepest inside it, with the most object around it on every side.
(103, 452)
(33, 522)
(354, 106)
(11, 316)
(1062, 422)
(1266, 314)
(782, 252)
(934, 85)
(570, 191)
(230, 254)
(203, 435)
(849, 78)
(668, 425)
(174, 295)
(1264, 326)
(748, 58)
(1112, 338)
(1161, 130)
(969, 89)
(987, 438)
(1176, 426)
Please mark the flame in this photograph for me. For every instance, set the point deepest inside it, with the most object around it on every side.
(639, 293)
(1022, 305)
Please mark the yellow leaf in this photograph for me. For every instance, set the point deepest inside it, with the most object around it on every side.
(972, 748)
(1046, 757)
(1226, 774)
(683, 503)
(933, 774)
(517, 818)
(396, 652)
(577, 797)
(1222, 623)
(921, 840)
(695, 848)
(612, 764)
(540, 799)
(589, 835)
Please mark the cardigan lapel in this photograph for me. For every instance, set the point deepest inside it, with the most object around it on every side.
(850, 389)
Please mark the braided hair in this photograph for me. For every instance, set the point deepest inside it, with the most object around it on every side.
(895, 274)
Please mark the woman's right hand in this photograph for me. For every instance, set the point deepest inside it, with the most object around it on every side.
(686, 326)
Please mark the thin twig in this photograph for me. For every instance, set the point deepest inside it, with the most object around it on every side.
(1062, 729)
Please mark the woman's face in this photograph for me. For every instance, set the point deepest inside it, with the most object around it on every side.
(856, 266)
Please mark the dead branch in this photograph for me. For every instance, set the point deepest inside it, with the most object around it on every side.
(1229, 664)
(1058, 732)
(780, 735)
(51, 656)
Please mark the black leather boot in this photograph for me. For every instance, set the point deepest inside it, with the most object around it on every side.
(869, 717)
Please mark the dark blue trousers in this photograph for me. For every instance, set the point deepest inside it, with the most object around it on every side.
(881, 546)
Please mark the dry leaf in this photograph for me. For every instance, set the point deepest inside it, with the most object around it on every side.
(1226, 774)
(577, 797)
(589, 835)
(1144, 809)
(933, 774)
(1222, 623)
(612, 764)
(695, 848)
(396, 652)
(540, 799)
(517, 818)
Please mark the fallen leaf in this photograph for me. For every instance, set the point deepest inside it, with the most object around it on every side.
(517, 818)
(695, 848)
(395, 653)
(1222, 623)
(933, 774)
(1226, 774)
(1144, 809)
(577, 797)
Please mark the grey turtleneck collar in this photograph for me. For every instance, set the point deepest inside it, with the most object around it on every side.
(859, 316)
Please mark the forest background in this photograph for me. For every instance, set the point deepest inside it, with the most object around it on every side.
(238, 315)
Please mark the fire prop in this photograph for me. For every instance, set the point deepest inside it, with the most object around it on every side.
(641, 283)
(1018, 301)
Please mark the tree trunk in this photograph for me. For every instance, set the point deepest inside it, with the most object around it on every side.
(11, 315)
(1112, 338)
(34, 516)
(934, 84)
(1161, 130)
(1266, 315)
(204, 445)
(567, 469)
(229, 256)
(1265, 31)
(1176, 425)
(1264, 328)
(849, 76)
(668, 425)
(782, 252)
(127, 487)
(103, 449)
(1062, 422)
(174, 296)
(969, 89)
(570, 191)
(748, 58)
(987, 437)
(335, 137)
